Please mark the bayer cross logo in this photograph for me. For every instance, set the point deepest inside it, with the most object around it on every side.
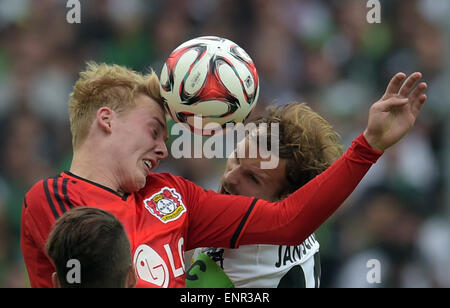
(166, 205)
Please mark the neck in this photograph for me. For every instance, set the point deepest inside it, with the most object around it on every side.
(94, 166)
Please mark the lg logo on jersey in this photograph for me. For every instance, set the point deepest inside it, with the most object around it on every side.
(152, 268)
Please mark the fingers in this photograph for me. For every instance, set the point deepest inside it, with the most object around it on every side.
(395, 84)
(418, 104)
(418, 98)
(388, 104)
(409, 84)
(422, 99)
(407, 91)
(418, 91)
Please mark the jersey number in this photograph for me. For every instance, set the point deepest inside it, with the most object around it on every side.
(296, 278)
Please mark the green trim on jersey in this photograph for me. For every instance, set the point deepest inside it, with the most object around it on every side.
(205, 273)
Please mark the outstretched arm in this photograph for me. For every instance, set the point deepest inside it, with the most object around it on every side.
(299, 215)
(291, 221)
(395, 113)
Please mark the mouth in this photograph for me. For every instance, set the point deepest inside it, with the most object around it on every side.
(224, 191)
(149, 164)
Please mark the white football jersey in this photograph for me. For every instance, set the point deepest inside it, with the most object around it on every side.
(270, 266)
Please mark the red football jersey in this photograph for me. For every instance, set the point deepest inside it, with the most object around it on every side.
(171, 215)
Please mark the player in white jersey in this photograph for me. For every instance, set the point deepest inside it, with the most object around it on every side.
(307, 146)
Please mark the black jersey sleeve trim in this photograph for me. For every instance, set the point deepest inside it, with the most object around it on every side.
(241, 225)
(64, 190)
(57, 196)
(49, 199)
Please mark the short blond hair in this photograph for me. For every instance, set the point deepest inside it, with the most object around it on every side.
(103, 85)
(306, 140)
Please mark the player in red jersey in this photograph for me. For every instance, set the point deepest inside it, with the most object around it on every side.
(119, 132)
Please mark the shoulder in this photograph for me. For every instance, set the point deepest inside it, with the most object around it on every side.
(40, 190)
(39, 205)
(47, 185)
(49, 195)
(162, 179)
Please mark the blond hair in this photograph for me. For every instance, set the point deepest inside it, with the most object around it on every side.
(306, 140)
(103, 85)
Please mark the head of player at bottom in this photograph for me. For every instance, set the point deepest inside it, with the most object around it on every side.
(90, 249)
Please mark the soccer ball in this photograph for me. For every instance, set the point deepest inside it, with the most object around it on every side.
(210, 77)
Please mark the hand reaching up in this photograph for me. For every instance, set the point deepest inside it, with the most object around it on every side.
(394, 114)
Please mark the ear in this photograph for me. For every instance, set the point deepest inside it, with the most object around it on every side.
(132, 278)
(105, 116)
(55, 280)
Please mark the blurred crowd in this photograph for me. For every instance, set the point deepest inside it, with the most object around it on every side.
(322, 52)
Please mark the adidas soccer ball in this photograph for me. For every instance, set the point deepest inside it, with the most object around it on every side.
(211, 78)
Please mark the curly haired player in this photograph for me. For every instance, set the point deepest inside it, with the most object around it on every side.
(308, 145)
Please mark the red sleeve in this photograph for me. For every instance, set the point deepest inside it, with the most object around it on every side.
(213, 217)
(43, 204)
(292, 220)
(34, 232)
(229, 221)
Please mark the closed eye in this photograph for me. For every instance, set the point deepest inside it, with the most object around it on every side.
(253, 178)
(159, 129)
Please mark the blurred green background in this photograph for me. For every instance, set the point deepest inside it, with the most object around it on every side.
(322, 52)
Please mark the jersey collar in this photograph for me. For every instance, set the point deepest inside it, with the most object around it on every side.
(123, 197)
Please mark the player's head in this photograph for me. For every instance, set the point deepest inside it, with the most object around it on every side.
(120, 112)
(307, 146)
(90, 249)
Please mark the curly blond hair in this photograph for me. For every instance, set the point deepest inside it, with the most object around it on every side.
(306, 140)
(103, 85)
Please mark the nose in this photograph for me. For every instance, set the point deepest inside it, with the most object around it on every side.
(231, 178)
(161, 151)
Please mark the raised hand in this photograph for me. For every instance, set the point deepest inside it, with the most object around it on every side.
(394, 114)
